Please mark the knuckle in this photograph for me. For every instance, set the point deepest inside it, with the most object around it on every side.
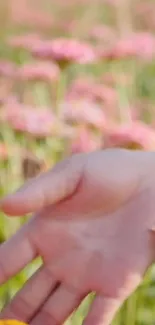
(20, 308)
(48, 317)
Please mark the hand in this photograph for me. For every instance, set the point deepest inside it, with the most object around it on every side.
(92, 231)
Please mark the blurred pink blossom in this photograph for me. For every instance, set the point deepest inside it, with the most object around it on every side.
(103, 33)
(83, 141)
(138, 135)
(7, 69)
(94, 91)
(65, 51)
(81, 87)
(37, 122)
(11, 101)
(139, 45)
(83, 112)
(26, 14)
(38, 71)
(106, 94)
(24, 42)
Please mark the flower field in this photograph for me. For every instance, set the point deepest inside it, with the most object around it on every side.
(75, 76)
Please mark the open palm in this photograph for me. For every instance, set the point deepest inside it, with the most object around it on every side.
(92, 234)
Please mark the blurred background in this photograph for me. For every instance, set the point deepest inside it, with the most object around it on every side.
(75, 76)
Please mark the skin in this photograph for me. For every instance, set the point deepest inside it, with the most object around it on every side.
(93, 225)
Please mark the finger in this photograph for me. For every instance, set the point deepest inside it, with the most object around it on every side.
(16, 253)
(26, 303)
(102, 311)
(47, 189)
(58, 307)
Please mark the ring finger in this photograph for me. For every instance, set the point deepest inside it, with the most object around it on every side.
(59, 306)
(29, 299)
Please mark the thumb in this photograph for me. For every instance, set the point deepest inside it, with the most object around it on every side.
(49, 188)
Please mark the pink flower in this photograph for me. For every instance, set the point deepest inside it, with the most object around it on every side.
(25, 14)
(38, 122)
(83, 142)
(105, 94)
(40, 71)
(135, 136)
(81, 88)
(65, 51)
(7, 69)
(103, 33)
(25, 42)
(11, 101)
(83, 112)
(138, 45)
(93, 91)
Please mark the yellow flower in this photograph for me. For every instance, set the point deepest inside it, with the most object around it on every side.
(11, 322)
